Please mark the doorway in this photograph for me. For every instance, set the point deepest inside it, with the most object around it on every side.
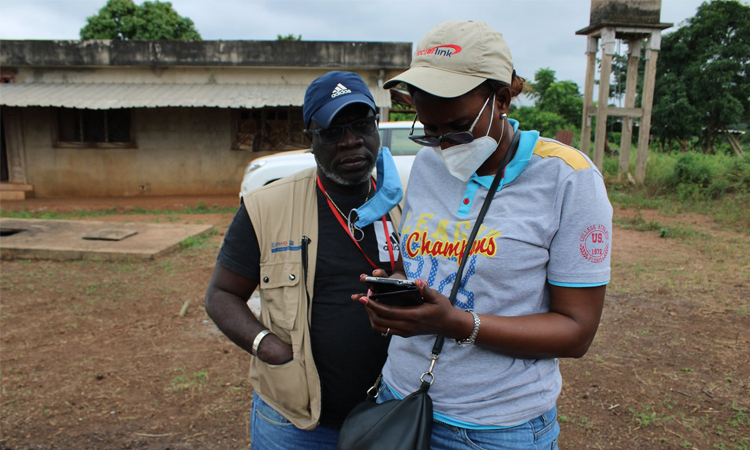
(4, 175)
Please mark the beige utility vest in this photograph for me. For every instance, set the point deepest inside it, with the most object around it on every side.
(285, 218)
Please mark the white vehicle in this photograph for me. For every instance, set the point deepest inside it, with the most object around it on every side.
(394, 135)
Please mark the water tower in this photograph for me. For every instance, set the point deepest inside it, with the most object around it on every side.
(633, 21)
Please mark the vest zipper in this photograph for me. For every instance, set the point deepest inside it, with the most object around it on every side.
(305, 243)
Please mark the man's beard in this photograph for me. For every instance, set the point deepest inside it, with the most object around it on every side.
(338, 179)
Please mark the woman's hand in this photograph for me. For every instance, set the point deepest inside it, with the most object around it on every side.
(379, 273)
(435, 316)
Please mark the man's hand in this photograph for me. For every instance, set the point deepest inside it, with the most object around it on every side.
(274, 351)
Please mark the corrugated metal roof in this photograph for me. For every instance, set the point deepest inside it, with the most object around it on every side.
(112, 96)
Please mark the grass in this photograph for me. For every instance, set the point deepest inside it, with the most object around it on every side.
(723, 256)
(740, 416)
(183, 382)
(666, 231)
(200, 208)
(198, 241)
(731, 434)
(714, 185)
(645, 417)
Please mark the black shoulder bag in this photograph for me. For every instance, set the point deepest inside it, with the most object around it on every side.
(407, 424)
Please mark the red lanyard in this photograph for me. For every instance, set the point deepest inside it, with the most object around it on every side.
(349, 231)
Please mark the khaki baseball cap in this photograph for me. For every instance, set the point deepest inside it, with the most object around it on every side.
(455, 57)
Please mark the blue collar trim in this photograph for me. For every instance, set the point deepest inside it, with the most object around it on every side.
(515, 167)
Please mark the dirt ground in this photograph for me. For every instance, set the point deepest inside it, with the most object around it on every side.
(96, 355)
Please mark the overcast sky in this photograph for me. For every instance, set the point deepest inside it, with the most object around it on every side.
(540, 33)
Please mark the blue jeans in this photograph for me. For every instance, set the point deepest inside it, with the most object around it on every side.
(539, 433)
(269, 430)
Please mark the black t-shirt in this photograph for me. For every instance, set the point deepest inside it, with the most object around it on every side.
(347, 353)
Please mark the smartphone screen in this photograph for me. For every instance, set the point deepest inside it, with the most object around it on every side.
(394, 292)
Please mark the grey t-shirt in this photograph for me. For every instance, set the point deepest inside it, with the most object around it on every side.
(550, 222)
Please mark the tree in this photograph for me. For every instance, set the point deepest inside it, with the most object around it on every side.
(702, 84)
(619, 82)
(674, 104)
(288, 37)
(563, 98)
(124, 20)
(558, 104)
(546, 123)
(543, 79)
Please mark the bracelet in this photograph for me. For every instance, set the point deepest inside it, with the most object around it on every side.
(473, 336)
(258, 338)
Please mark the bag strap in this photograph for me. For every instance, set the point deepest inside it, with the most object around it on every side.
(440, 340)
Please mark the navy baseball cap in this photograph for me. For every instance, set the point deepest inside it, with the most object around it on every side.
(330, 93)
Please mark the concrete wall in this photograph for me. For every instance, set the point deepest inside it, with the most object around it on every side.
(179, 151)
(198, 75)
(362, 55)
(633, 12)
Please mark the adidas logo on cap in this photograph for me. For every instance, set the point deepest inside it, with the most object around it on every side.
(340, 90)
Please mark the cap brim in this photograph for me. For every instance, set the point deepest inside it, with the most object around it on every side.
(325, 115)
(441, 83)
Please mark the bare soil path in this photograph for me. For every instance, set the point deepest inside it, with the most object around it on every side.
(95, 355)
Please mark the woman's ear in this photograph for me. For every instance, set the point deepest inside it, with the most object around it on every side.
(503, 97)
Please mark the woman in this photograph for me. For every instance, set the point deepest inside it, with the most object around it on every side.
(533, 287)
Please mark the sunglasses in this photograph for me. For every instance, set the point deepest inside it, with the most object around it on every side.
(454, 137)
(359, 128)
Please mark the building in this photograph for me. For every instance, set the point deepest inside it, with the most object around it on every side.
(124, 118)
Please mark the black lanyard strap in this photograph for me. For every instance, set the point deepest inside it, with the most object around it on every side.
(485, 206)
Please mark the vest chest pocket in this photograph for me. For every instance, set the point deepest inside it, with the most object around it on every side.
(280, 292)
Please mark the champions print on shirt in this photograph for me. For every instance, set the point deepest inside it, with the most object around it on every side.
(425, 247)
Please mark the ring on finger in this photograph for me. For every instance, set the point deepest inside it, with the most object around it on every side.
(386, 332)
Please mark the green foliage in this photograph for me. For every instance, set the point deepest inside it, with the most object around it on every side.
(288, 37)
(693, 168)
(700, 176)
(716, 185)
(184, 382)
(197, 241)
(563, 98)
(398, 116)
(674, 116)
(644, 418)
(558, 105)
(702, 84)
(112, 22)
(619, 84)
(200, 208)
(543, 79)
(124, 20)
(547, 123)
(559, 97)
(619, 75)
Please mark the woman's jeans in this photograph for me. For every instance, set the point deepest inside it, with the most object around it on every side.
(269, 430)
(539, 433)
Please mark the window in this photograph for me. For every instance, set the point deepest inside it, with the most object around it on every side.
(401, 144)
(269, 129)
(94, 128)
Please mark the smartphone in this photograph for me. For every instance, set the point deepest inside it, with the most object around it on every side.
(394, 292)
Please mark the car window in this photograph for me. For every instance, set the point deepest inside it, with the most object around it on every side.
(400, 142)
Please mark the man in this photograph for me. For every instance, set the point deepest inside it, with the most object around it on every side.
(297, 240)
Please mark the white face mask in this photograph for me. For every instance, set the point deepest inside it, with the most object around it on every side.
(463, 160)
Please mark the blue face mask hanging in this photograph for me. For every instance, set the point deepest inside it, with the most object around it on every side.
(387, 194)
